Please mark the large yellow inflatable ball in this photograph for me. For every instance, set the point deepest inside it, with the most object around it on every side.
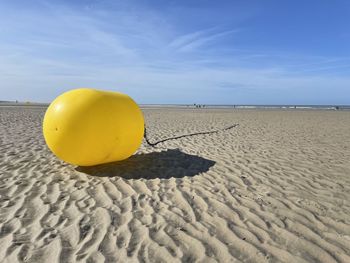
(89, 127)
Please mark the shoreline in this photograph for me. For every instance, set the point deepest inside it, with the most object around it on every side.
(206, 106)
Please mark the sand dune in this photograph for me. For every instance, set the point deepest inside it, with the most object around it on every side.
(274, 189)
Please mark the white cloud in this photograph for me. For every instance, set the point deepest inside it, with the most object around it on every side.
(195, 40)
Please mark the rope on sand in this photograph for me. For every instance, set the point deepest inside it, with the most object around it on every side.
(186, 135)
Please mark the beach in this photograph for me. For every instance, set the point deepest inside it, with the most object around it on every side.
(275, 188)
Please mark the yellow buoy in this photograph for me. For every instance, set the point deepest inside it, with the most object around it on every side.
(89, 127)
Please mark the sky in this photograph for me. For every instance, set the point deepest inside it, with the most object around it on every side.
(183, 52)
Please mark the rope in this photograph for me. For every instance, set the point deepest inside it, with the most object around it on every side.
(186, 135)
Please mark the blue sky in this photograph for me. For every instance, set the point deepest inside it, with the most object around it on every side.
(212, 52)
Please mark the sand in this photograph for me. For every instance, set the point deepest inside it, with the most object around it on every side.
(274, 189)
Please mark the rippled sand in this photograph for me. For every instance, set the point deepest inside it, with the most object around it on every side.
(274, 189)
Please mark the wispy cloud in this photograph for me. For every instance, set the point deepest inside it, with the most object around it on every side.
(184, 40)
(194, 40)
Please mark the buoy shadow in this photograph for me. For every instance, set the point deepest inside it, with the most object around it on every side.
(164, 165)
